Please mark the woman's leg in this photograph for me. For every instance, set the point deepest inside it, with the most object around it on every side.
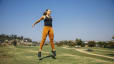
(51, 37)
(44, 35)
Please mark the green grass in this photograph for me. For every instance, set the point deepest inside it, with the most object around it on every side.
(102, 51)
(28, 55)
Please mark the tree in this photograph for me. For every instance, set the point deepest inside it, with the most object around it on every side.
(14, 43)
(110, 44)
(79, 42)
(113, 37)
(101, 44)
(34, 43)
(91, 44)
(60, 43)
(27, 40)
(71, 43)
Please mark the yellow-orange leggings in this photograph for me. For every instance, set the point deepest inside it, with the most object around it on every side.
(47, 30)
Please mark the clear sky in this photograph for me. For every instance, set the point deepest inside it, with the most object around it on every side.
(85, 19)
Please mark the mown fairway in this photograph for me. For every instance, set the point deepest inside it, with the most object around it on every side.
(28, 55)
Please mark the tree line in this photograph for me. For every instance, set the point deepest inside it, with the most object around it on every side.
(12, 39)
(80, 43)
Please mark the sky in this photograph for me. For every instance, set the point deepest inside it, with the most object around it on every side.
(84, 19)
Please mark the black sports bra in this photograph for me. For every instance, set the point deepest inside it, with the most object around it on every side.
(47, 21)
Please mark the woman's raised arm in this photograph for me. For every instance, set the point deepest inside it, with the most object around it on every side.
(42, 18)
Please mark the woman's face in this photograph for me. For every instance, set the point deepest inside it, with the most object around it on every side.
(49, 12)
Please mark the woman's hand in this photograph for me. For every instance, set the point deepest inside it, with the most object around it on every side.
(33, 25)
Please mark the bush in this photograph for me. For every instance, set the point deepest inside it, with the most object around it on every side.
(110, 44)
(101, 44)
(79, 42)
(59, 44)
(71, 44)
(91, 44)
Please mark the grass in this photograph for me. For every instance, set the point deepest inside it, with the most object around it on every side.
(28, 55)
(102, 51)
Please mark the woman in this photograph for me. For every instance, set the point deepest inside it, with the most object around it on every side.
(47, 30)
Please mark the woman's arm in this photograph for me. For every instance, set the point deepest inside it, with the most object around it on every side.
(42, 18)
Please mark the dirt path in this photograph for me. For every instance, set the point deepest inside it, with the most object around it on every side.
(104, 50)
(80, 50)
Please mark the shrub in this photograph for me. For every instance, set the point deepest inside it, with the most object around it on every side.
(91, 44)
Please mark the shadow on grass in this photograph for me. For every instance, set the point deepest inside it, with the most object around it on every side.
(49, 56)
(89, 50)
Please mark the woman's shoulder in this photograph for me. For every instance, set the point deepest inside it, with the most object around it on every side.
(43, 16)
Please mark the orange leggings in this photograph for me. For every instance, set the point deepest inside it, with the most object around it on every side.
(47, 30)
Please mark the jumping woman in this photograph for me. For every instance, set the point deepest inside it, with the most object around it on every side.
(47, 30)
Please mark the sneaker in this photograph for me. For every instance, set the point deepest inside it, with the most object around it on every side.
(54, 54)
(39, 55)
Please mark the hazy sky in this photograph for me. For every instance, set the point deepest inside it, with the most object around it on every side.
(85, 19)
